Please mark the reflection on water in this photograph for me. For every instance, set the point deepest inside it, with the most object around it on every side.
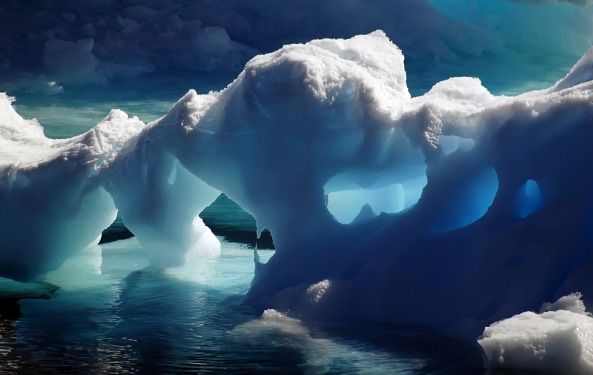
(116, 315)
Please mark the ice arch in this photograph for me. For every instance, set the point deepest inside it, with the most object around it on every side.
(276, 137)
(159, 200)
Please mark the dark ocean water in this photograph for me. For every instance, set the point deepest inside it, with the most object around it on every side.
(115, 315)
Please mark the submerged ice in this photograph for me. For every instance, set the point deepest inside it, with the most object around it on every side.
(449, 211)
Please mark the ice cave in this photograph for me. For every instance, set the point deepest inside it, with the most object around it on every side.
(317, 187)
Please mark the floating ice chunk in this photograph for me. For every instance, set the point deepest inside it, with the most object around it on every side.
(557, 340)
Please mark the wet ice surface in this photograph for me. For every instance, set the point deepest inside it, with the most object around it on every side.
(114, 315)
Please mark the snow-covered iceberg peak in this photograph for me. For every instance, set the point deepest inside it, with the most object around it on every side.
(366, 68)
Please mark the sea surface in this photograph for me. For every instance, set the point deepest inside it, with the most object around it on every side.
(113, 314)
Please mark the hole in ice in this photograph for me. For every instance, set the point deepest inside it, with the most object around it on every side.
(227, 219)
(529, 199)
(224, 217)
(470, 202)
(346, 205)
(356, 203)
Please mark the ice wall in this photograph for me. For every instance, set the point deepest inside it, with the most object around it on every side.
(494, 195)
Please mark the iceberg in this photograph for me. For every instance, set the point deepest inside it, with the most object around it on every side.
(471, 207)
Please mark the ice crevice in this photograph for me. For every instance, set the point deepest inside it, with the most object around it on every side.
(445, 231)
